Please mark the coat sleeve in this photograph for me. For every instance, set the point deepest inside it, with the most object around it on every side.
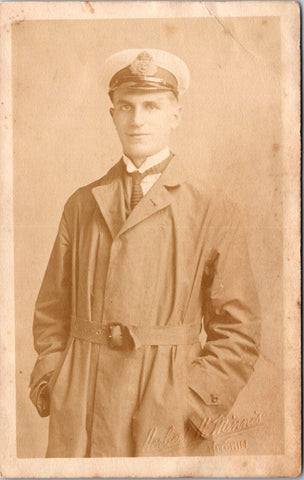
(232, 324)
(52, 316)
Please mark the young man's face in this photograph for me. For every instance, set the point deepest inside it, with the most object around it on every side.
(144, 121)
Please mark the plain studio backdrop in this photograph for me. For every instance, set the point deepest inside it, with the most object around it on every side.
(231, 133)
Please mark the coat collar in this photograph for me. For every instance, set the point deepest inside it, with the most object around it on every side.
(109, 196)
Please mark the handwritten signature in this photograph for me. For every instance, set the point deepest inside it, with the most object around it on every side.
(210, 429)
(226, 425)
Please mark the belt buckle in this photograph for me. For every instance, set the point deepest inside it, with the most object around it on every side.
(117, 338)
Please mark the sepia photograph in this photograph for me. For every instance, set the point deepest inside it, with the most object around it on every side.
(151, 239)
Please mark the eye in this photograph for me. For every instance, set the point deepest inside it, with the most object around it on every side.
(151, 106)
(125, 107)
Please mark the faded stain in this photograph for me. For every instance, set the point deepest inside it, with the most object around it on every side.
(170, 29)
(275, 147)
(89, 6)
(18, 22)
(16, 19)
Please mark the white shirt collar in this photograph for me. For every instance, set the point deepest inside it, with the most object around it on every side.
(148, 163)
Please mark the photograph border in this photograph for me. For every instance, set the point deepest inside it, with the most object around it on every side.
(244, 465)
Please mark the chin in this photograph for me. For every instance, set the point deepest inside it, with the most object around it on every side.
(140, 152)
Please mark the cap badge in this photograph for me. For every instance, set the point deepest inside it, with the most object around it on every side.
(143, 65)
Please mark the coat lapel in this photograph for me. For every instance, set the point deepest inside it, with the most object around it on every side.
(158, 197)
(109, 196)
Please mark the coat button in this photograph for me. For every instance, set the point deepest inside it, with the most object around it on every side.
(214, 398)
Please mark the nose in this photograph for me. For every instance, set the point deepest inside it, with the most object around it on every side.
(138, 116)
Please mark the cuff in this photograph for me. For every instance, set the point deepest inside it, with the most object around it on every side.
(40, 395)
(212, 392)
(43, 366)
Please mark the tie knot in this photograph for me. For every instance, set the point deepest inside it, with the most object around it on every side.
(137, 192)
(156, 169)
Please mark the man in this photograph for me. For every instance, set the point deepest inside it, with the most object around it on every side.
(141, 256)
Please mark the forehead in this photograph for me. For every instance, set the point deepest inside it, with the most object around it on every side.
(140, 96)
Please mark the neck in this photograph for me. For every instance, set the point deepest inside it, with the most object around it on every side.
(154, 158)
(138, 161)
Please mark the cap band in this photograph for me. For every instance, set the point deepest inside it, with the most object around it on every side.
(161, 79)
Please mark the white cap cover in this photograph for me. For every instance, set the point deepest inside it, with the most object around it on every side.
(145, 69)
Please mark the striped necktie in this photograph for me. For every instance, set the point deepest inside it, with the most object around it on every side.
(137, 192)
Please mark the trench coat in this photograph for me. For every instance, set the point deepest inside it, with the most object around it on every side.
(177, 262)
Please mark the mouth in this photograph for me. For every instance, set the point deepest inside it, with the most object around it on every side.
(137, 135)
(138, 138)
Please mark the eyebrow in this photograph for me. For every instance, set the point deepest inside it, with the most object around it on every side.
(128, 102)
(122, 100)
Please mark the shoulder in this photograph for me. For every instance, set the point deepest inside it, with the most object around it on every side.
(210, 198)
(83, 198)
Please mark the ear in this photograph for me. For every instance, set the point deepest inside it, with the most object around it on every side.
(111, 110)
(176, 116)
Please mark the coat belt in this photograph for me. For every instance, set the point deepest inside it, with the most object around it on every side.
(121, 336)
